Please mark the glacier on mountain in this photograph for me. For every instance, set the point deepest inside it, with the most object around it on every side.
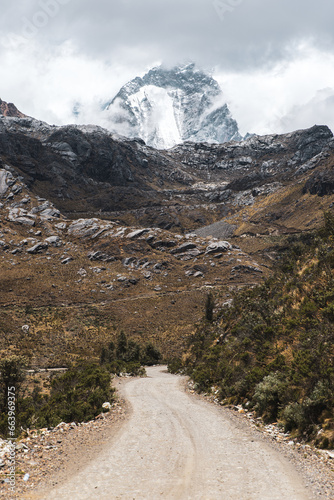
(171, 106)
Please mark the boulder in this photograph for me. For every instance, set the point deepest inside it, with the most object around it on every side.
(38, 248)
(122, 279)
(183, 248)
(61, 225)
(53, 241)
(218, 247)
(67, 260)
(6, 180)
(100, 256)
(136, 234)
(161, 243)
(245, 268)
(21, 216)
(129, 261)
(84, 227)
(50, 213)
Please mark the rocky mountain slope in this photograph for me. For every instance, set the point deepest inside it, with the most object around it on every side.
(68, 286)
(118, 234)
(263, 181)
(169, 106)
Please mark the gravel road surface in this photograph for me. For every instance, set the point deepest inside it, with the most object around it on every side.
(176, 446)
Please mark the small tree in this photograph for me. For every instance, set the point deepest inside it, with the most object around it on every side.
(152, 355)
(122, 346)
(107, 354)
(133, 352)
(209, 306)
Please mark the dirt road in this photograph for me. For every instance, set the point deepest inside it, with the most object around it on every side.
(176, 446)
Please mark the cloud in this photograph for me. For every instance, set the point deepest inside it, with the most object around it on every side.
(270, 57)
(272, 100)
(319, 110)
(252, 33)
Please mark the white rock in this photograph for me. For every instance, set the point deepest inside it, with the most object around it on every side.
(37, 248)
(6, 179)
(137, 233)
(54, 241)
(61, 225)
(219, 246)
(84, 227)
(50, 213)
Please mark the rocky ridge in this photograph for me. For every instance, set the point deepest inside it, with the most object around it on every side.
(10, 110)
(88, 171)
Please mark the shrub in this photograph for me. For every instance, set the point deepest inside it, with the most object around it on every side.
(305, 416)
(293, 417)
(175, 365)
(128, 353)
(77, 395)
(151, 355)
(269, 395)
(202, 376)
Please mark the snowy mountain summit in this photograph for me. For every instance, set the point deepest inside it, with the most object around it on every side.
(170, 106)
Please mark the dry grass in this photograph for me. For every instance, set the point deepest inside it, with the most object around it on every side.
(71, 315)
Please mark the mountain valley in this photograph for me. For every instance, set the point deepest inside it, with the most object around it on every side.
(101, 234)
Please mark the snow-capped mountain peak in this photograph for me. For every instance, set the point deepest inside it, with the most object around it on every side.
(170, 106)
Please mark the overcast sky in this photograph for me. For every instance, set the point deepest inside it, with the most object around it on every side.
(273, 59)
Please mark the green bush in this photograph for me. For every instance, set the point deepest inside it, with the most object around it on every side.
(269, 395)
(78, 395)
(274, 346)
(127, 355)
(175, 365)
(151, 355)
